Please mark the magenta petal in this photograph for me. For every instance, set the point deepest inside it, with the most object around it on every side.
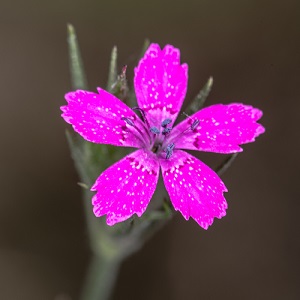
(98, 118)
(126, 187)
(222, 128)
(161, 82)
(195, 190)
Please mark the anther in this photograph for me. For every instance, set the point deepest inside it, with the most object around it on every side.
(166, 122)
(154, 130)
(128, 121)
(195, 124)
(166, 130)
(169, 150)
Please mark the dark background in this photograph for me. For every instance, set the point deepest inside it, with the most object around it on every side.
(252, 50)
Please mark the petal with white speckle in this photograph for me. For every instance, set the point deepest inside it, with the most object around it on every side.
(119, 194)
(161, 82)
(196, 191)
(221, 128)
(98, 118)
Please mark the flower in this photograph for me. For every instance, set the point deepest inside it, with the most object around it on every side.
(126, 187)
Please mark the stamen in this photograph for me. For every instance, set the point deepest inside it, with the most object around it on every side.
(188, 130)
(141, 111)
(166, 122)
(169, 150)
(128, 121)
(170, 146)
(166, 130)
(145, 123)
(154, 130)
(131, 123)
(195, 124)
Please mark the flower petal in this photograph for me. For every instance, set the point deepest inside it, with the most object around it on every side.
(195, 190)
(98, 118)
(221, 128)
(161, 83)
(126, 187)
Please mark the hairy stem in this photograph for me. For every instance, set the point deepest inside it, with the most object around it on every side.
(105, 262)
(101, 277)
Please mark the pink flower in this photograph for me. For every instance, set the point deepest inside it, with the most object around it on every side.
(126, 187)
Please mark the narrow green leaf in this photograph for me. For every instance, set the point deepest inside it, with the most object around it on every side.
(131, 99)
(199, 100)
(224, 166)
(145, 47)
(120, 87)
(83, 185)
(112, 75)
(78, 77)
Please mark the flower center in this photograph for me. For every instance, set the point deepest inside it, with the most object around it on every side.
(160, 141)
(158, 144)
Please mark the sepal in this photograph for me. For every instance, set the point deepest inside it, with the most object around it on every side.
(201, 97)
(112, 74)
(78, 77)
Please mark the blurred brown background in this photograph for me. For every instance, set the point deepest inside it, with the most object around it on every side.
(252, 50)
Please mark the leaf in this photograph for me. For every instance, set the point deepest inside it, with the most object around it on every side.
(112, 75)
(145, 47)
(223, 167)
(199, 100)
(78, 77)
(120, 87)
(83, 185)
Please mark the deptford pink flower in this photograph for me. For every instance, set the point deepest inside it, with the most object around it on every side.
(126, 187)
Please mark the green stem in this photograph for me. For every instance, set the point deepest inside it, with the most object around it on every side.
(111, 245)
(101, 277)
(105, 261)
